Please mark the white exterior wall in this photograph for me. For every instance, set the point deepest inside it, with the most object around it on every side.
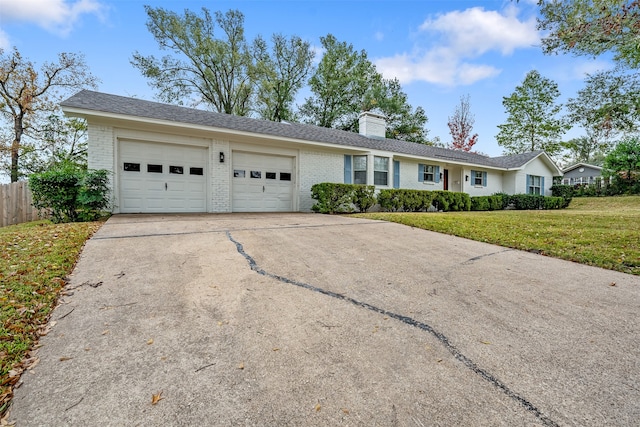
(220, 176)
(535, 167)
(100, 155)
(409, 176)
(316, 167)
(494, 182)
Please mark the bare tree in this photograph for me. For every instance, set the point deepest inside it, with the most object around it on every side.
(461, 125)
(26, 93)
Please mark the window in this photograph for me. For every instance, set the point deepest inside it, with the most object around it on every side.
(429, 173)
(477, 178)
(178, 170)
(380, 170)
(270, 175)
(196, 171)
(535, 184)
(132, 167)
(285, 176)
(359, 169)
(256, 174)
(238, 173)
(154, 168)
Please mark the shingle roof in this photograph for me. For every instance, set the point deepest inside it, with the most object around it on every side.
(577, 165)
(114, 104)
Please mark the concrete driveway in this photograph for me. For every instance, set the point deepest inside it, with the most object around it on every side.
(311, 320)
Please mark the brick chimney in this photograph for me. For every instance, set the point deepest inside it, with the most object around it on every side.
(372, 125)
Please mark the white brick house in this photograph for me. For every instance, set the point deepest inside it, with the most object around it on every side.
(166, 158)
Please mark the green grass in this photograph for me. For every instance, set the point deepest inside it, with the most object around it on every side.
(603, 232)
(35, 260)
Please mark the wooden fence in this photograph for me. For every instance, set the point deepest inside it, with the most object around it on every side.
(15, 204)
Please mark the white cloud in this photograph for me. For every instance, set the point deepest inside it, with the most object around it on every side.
(58, 16)
(4, 40)
(455, 40)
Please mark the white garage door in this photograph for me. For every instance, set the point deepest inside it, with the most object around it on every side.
(262, 183)
(162, 178)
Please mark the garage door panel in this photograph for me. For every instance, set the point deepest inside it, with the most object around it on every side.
(164, 180)
(256, 184)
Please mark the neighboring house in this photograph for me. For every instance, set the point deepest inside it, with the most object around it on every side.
(581, 173)
(166, 158)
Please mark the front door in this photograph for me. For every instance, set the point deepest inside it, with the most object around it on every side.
(445, 184)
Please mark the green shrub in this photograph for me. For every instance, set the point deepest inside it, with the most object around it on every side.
(364, 196)
(402, 200)
(341, 198)
(70, 194)
(564, 191)
(495, 202)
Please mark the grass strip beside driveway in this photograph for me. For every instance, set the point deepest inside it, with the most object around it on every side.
(603, 232)
(36, 258)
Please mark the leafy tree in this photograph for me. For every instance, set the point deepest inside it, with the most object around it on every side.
(592, 27)
(585, 149)
(214, 71)
(338, 86)
(624, 161)
(609, 104)
(461, 125)
(280, 75)
(28, 94)
(346, 83)
(533, 122)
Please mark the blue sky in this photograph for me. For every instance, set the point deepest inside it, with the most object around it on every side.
(440, 50)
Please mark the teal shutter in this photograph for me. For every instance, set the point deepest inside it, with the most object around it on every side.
(484, 179)
(437, 177)
(473, 177)
(526, 190)
(420, 173)
(396, 174)
(542, 185)
(347, 169)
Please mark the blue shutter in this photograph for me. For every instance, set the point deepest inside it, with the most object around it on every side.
(542, 185)
(347, 169)
(420, 173)
(526, 190)
(473, 177)
(437, 177)
(484, 179)
(396, 174)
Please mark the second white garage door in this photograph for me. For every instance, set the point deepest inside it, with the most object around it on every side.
(262, 182)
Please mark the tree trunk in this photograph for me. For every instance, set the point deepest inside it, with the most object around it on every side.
(15, 146)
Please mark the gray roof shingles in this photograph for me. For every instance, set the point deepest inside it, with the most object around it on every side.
(114, 104)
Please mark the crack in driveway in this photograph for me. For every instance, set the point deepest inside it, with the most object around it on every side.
(470, 364)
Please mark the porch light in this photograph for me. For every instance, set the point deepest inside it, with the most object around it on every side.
(222, 157)
(466, 177)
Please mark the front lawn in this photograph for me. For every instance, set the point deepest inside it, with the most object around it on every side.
(598, 231)
(36, 258)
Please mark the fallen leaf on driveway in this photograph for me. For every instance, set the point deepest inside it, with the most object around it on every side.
(156, 398)
(612, 284)
(150, 341)
(64, 359)
(485, 342)
(241, 365)
(318, 407)
(105, 332)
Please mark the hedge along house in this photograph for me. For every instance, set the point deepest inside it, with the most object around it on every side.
(166, 158)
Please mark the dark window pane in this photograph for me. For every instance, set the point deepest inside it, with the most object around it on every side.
(285, 176)
(360, 177)
(196, 171)
(380, 178)
(132, 167)
(256, 174)
(237, 173)
(154, 168)
(270, 175)
(179, 170)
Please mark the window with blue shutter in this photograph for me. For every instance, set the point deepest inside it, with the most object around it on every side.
(396, 174)
(484, 179)
(437, 174)
(542, 185)
(420, 173)
(347, 169)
